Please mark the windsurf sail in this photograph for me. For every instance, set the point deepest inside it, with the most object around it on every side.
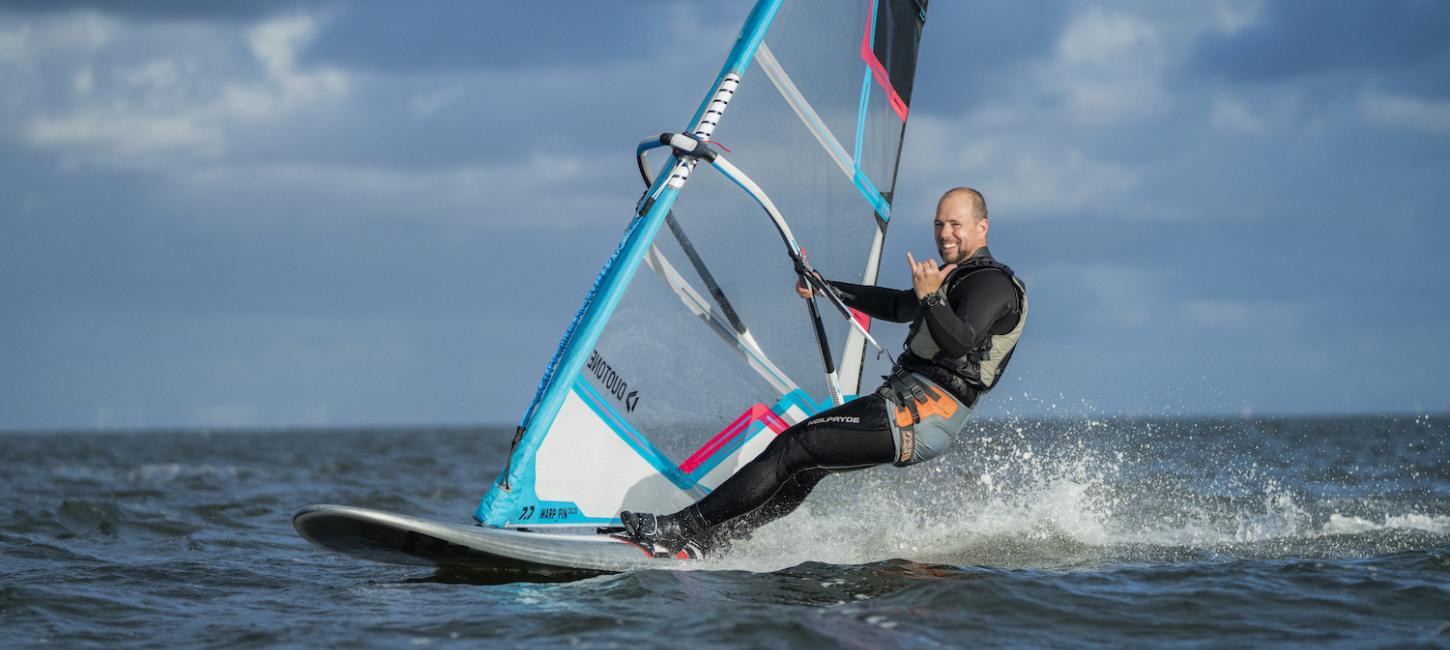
(671, 378)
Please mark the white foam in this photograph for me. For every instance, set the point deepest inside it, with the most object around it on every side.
(1010, 502)
(1347, 524)
(931, 513)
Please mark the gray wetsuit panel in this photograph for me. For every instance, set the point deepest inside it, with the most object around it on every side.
(934, 434)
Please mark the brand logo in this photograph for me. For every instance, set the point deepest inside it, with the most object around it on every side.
(558, 513)
(837, 419)
(612, 382)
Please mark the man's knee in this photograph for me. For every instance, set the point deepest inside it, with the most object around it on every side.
(796, 455)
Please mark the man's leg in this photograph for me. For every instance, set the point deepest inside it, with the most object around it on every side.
(790, 496)
(851, 436)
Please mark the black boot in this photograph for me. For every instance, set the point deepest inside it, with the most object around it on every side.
(668, 535)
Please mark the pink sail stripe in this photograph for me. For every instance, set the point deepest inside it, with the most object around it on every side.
(757, 413)
(879, 71)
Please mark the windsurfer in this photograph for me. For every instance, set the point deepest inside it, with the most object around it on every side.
(966, 316)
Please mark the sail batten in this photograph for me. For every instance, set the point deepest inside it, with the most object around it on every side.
(803, 110)
(697, 304)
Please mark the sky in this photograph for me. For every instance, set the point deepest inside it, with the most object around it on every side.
(334, 213)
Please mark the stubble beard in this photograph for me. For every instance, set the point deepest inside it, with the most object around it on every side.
(958, 255)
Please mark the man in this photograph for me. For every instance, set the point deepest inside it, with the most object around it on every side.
(966, 316)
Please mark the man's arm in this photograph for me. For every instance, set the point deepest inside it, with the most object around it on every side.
(876, 302)
(897, 306)
(971, 310)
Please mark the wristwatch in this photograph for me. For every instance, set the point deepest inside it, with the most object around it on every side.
(934, 298)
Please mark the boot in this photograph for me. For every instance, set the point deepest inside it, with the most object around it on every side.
(668, 535)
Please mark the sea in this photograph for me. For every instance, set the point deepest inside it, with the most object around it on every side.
(1070, 532)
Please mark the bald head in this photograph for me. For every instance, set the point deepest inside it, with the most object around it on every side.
(971, 199)
(961, 224)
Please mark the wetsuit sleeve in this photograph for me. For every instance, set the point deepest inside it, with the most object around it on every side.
(973, 307)
(895, 305)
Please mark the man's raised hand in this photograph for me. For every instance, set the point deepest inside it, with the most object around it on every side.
(925, 276)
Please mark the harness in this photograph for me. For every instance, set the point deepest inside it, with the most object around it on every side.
(914, 400)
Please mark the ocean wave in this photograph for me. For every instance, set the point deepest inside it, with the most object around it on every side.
(1020, 503)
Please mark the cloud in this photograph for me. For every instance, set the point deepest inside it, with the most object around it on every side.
(94, 89)
(275, 43)
(1261, 317)
(971, 52)
(1029, 176)
(1110, 67)
(1078, 63)
(126, 140)
(1233, 16)
(347, 161)
(1407, 113)
(156, 95)
(512, 194)
(1100, 294)
(153, 10)
(1235, 116)
(1402, 42)
(453, 35)
(1098, 38)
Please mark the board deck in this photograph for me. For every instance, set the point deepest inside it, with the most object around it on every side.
(401, 539)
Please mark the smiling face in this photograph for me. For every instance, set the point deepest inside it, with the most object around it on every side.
(960, 227)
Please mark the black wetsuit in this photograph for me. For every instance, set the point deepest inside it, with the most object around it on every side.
(981, 304)
(857, 434)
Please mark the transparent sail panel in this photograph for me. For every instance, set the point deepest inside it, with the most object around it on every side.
(695, 351)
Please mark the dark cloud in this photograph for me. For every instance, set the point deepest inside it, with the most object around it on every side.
(458, 34)
(283, 279)
(1000, 34)
(1405, 43)
(970, 52)
(440, 35)
(157, 9)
